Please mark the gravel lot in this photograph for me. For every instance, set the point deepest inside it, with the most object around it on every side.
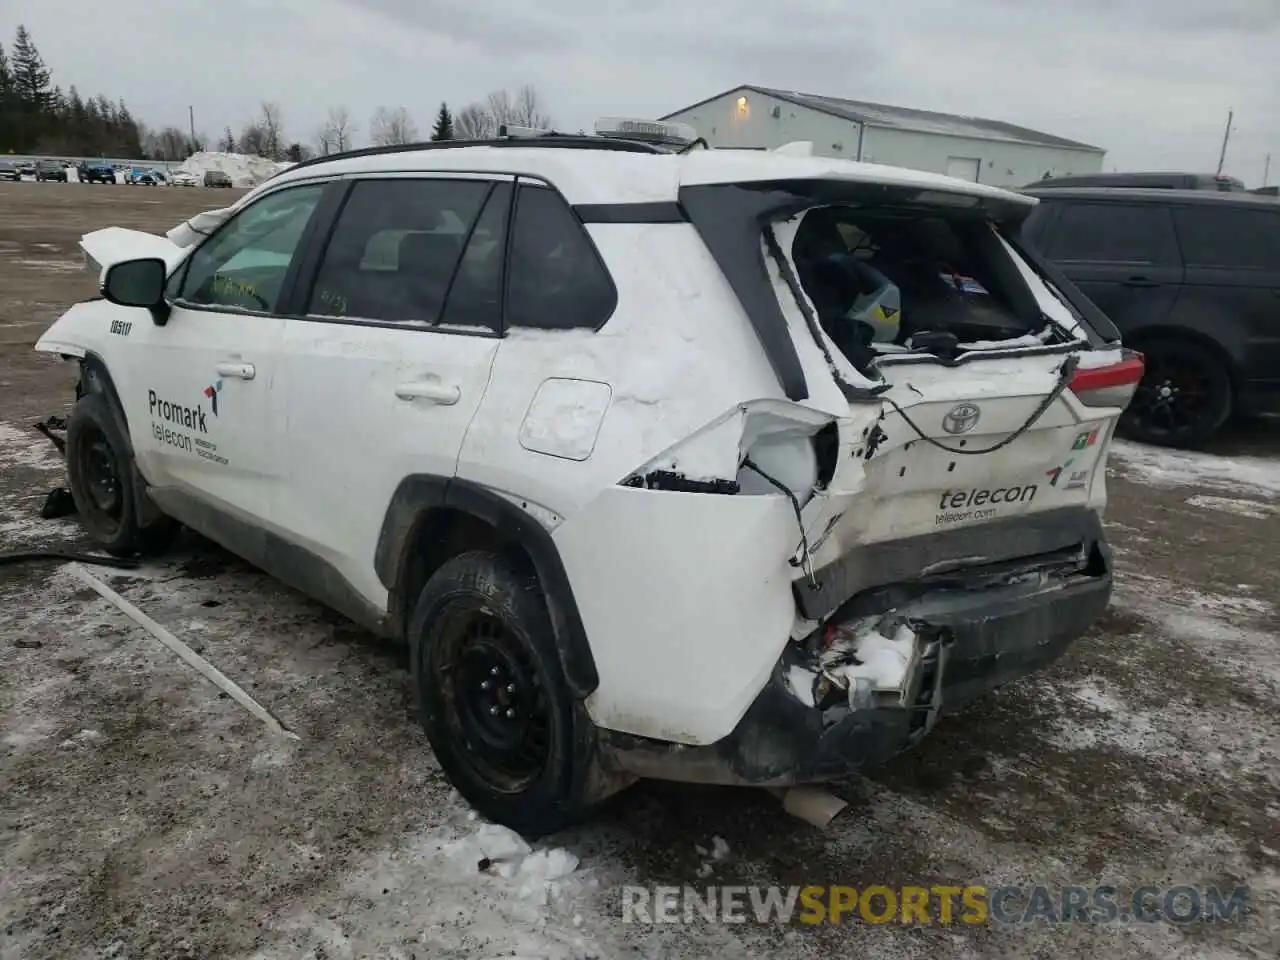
(144, 815)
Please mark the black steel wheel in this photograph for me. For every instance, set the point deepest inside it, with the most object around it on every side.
(494, 701)
(104, 483)
(1184, 398)
(499, 708)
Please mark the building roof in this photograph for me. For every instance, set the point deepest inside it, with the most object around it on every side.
(904, 118)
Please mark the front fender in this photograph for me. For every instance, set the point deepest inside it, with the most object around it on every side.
(86, 328)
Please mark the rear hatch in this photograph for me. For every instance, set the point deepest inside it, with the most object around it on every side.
(966, 384)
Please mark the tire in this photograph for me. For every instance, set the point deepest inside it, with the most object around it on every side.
(534, 766)
(104, 483)
(1201, 400)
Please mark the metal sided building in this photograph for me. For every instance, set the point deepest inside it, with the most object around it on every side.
(986, 151)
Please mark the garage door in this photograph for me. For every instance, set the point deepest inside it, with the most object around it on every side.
(964, 168)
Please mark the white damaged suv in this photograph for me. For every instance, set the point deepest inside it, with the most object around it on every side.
(723, 466)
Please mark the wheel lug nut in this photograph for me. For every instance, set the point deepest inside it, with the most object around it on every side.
(510, 714)
(485, 685)
(511, 688)
(493, 711)
(493, 672)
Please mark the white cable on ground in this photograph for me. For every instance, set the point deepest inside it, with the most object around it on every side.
(193, 659)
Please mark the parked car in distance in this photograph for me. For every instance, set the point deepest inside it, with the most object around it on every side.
(216, 178)
(1272, 191)
(27, 169)
(1148, 181)
(184, 179)
(144, 176)
(1191, 279)
(51, 170)
(9, 171)
(96, 172)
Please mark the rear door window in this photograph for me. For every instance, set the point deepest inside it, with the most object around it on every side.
(1215, 236)
(1111, 233)
(395, 249)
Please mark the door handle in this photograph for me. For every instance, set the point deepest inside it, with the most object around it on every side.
(241, 371)
(1140, 282)
(445, 394)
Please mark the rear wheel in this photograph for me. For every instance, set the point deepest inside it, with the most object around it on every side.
(1184, 398)
(493, 697)
(103, 483)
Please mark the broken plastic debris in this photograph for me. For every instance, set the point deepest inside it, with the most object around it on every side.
(500, 843)
(719, 849)
(863, 652)
(802, 682)
(548, 865)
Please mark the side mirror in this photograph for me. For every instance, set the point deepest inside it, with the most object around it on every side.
(138, 283)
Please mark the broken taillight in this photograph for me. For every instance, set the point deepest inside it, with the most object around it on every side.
(1109, 386)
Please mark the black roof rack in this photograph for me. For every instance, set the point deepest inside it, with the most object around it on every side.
(560, 141)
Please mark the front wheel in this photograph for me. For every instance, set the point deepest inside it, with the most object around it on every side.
(104, 482)
(494, 701)
(1184, 398)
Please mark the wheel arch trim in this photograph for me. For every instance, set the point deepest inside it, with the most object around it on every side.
(418, 496)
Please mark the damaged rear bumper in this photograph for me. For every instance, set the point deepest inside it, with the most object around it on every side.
(968, 642)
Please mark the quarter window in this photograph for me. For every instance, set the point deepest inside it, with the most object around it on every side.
(557, 280)
(243, 266)
(1226, 237)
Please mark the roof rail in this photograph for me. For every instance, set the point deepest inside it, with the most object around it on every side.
(559, 141)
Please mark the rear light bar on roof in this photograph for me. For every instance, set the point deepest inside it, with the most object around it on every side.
(1109, 386)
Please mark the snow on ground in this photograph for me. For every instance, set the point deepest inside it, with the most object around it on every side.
(244, 171)
(1257, 476)
(1244, 508)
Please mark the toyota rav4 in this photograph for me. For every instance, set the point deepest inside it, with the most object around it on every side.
(724, 466)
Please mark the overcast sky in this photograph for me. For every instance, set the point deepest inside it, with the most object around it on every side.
(1149, 80)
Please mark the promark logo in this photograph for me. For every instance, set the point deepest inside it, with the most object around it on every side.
(190, 417)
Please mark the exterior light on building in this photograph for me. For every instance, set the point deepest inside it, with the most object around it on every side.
(742, 106)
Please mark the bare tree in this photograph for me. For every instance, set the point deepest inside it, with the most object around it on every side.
(474, 122)
(272, 130)
(481, 120)
(522, 110)
(173, 144)
(228, 142)
(253, 140)
(392, 126)
(338, 131)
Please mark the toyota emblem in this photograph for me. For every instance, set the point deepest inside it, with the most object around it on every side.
(961, 418)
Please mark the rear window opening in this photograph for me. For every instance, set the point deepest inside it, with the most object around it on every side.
(887, 280)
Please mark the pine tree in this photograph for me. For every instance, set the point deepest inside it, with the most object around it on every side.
(443, 130)
(30, 75)
(6, 77)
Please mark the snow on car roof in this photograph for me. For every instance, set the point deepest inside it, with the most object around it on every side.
(610, 176)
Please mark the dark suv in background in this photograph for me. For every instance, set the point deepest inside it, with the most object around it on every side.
(1191, 278)
(1159, 181)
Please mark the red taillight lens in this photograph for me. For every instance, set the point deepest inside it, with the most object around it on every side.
(1109, 386)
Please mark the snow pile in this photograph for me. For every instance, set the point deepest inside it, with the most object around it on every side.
(244, 170)
(448, 893)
